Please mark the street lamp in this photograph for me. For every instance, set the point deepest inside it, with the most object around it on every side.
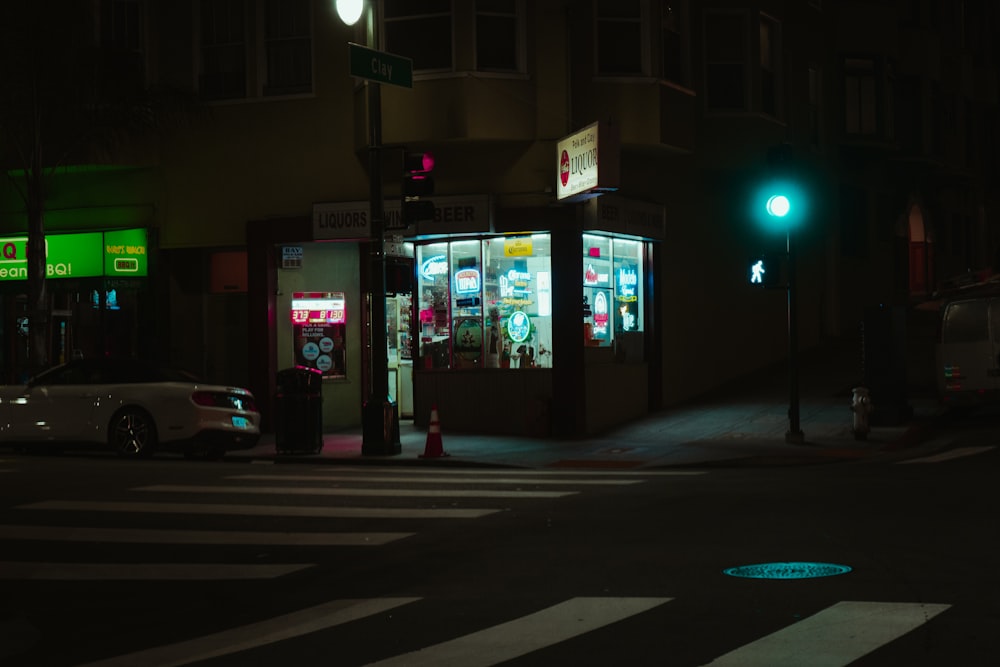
(779, 205)
(379, 416)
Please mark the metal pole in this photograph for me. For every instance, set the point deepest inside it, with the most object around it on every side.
(380, 419)
(794, 435)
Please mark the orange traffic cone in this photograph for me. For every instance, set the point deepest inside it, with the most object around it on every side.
(434, 447)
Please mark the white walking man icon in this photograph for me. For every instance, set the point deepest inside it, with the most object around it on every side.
(758, 272)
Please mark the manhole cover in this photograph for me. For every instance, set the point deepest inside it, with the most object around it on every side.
(787, 570)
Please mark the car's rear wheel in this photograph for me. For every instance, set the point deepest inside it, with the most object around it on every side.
(132, 433)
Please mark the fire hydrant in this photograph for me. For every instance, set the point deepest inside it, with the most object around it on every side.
(861, 406)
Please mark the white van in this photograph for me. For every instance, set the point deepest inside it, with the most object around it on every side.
(968, 351)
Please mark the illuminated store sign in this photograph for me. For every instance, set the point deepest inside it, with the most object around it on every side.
(319, 308)
(627, 284)
(121, 254)
(517, 247)
(587, 163)
(515, 288)
(466, 281)
(600, 314)
(591, 277)
(435, 266)
(519, 326)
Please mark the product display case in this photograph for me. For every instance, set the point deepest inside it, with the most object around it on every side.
(399, 311)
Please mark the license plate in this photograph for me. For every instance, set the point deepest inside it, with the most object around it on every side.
(241, 422)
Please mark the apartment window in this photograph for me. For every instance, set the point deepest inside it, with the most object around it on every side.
(770, 62)
(815, 105)
(726, 61)
(122, 33)
(420, 30)
(288, 47)
(620, 37)
(122, 25)
(223, 49)
(860, 103)
(497, 30)
(674, 36)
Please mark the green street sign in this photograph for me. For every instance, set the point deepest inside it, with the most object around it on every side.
(380, 66)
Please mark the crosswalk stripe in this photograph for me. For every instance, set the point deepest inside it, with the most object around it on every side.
(510, 640)
(157, 536)
(145, 571)
(261, 510)
(486, 472)
(440, 480)
(834, 637)
(296, 624)
(325, 491)
(956, 453)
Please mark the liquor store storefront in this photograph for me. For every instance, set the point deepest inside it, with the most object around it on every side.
(537, 324)
(516, 321)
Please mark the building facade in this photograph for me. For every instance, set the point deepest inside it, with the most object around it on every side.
(513, 309)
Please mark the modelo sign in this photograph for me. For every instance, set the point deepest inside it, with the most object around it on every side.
(588, 163)
(121, 254)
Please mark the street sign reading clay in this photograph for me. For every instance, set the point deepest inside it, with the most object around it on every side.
(380, 66)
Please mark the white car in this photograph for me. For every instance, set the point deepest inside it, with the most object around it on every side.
(133, 407)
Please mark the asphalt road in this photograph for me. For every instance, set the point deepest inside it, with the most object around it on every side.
(171, 562)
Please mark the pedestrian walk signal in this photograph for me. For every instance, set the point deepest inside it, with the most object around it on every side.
(766, 271)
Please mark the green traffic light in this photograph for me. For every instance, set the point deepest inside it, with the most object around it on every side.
(778, 206)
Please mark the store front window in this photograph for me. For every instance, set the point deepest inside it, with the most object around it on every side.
(612, 288)
(485, 303)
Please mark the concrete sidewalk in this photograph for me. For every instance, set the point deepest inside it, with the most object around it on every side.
(742, 422)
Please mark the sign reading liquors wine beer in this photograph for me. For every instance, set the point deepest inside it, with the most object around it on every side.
(588, 163)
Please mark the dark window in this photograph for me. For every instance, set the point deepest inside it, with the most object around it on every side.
(674, 36)
(288, 45)
(223, 49)
(966, 322)
(122, 37)
(619, 37)
(726, 58)
(860, 102)
(420, 30)
(815, 106)
(122, 25)
(497, 36)
(770, 62)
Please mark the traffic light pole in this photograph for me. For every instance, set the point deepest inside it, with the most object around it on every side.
(379, 418)
(794, 434)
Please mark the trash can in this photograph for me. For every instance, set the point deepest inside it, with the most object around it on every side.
(299, 411)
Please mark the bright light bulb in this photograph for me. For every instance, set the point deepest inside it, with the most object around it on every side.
(349, 11)
(778, 206)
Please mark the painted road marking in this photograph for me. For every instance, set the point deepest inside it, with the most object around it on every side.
(261, 510)
(163, 536)
(521, 636)
(834, 637)
(145, 571)
(325, 491)
(439, 480)
(251, 636)
(956, 453)
(485, 472)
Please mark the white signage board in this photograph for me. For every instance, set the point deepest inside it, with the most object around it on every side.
(587, 162)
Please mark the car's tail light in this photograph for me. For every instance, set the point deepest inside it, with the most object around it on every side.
(214, 399)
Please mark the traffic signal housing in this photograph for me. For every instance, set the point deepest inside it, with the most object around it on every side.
(418, 183)
(781, 199)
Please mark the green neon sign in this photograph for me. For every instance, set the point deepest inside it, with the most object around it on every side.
(125, 253)
(121, 253)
